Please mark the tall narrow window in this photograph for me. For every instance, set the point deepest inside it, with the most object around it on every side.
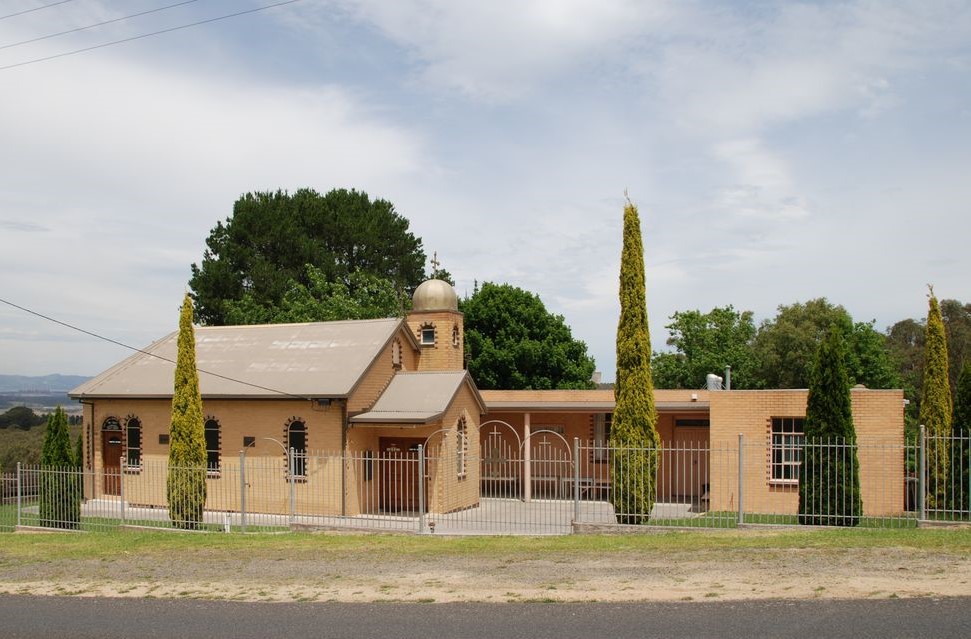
(212, 445)
(297, 442)
(787, 439)
(133, 426)
(396, 353)
(461, 447)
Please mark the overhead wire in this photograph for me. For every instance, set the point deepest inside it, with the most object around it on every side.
(97, 24)
(43, 6)
(148, 353)
(148, 35)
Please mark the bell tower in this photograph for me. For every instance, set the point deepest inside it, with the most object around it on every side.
(437, 324)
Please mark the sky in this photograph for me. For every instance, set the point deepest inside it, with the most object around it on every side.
(777, 151)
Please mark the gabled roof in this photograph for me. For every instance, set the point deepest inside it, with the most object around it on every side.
(414, 397)
(320, 359)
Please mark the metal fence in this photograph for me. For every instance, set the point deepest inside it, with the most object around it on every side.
(550, 488)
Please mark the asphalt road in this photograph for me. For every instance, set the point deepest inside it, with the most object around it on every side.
(147, 618)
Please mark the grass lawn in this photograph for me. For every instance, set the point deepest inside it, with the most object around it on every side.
(103, 546)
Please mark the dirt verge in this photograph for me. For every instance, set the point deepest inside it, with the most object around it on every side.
(715, 574)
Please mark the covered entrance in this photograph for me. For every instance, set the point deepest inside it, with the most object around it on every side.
(399, 474)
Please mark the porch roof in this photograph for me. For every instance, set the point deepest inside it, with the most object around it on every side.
(588, 401)
(416, 398)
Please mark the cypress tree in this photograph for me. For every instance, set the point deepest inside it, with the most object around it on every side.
(961, 425)
(935, 405)
(829, 478)
(79, 452)
(634, 429)
(186, 483)
(60, 501)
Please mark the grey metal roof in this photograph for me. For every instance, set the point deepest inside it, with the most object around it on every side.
(416, 397)
(321, 359)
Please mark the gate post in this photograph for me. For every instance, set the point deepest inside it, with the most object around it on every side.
(19, 494)
(741, 477)
(121, 487)
(576, 479)
(242, 490)
(421, 489)
(922, 475)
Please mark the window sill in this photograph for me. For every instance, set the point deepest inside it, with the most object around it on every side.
(133, 470)
(213, 474)
(784, 483)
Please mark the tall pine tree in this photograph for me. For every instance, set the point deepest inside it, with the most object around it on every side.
(829, 478)
(60, 497)
(935, 405)
(633, 432)
(186, 483)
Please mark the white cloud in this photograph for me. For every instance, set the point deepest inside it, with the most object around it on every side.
(501, 50)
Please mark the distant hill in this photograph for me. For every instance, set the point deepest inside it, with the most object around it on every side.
(44, 384)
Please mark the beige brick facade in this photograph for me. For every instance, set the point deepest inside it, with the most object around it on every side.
(445, 349)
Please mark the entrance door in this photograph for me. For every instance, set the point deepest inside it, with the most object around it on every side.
(399, 474)
(111, 461)
(689, 462)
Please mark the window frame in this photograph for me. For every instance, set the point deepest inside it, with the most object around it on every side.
(787, 436)
(213, 470)
(133, 423)
(299, 455)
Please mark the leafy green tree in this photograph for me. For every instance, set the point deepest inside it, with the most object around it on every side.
(706, 343)
(961, 427)
(60, 496)
(366, 296)
(266, 245)
(633, 433)
(186, 482)
(785, 347)
(957, 327)
(21, 417)
(513, 342)
(935, 404)
(829, 477)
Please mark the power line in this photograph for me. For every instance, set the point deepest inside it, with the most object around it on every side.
(144, 352)
(43, 6)
(97, 24)
(147, 35)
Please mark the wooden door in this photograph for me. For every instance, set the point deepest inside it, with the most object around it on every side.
(399, 474)
(689, 457)
(111, 461)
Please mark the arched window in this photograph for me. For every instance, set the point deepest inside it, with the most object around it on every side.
(297, 441)
(461, 447)
(133, 432)
(212, 444)
(396, 353)
(455, 335)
